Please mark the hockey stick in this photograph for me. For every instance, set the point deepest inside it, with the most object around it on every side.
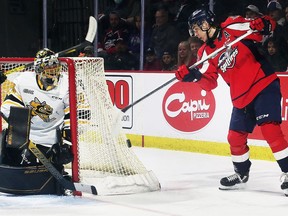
(58, 176)
(92, 29)
(211, 55)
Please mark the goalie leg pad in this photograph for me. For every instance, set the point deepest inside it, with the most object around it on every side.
(18, 157)
(2, 145)
(9, 156)
(32, 180)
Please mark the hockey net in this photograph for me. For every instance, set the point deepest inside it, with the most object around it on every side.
(101, 154)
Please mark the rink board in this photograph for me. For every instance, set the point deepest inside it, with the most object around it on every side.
(181, 116)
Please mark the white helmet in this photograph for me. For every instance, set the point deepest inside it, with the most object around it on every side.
(48, 67)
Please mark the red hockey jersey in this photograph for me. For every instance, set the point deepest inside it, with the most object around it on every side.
(245, 70)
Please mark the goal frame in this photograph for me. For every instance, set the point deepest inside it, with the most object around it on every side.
(73, 117)
(72, 104)
(115, 168)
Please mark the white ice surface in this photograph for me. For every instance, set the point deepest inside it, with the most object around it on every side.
(189, 187)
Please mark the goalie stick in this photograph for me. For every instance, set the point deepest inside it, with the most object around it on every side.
(92, 29)
(58, 176)
(213, 54)
(73, 186)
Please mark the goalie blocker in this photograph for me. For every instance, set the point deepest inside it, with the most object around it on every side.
(18, 174)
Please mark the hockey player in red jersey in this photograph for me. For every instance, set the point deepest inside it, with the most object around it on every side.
(254, 87)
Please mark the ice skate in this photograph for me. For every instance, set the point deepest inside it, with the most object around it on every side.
(284, 185)
(234, 182)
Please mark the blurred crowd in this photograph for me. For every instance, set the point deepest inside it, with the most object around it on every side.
(167, 43)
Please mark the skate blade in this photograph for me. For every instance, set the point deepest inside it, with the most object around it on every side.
(285, 192)
(234, 187)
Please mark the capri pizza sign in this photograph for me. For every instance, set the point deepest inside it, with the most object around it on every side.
(187, 107)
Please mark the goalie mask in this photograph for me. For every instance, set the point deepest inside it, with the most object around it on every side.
(47, 67)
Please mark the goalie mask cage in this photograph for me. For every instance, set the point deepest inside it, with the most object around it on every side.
(101, 154)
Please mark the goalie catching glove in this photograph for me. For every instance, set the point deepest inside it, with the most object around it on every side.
(60, 153)
(185, 74)
(265, 25)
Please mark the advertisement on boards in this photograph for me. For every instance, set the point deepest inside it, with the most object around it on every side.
(187, 107)
(179, 110)
(121, 93)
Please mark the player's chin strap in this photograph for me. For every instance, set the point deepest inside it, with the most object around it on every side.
(210, 40)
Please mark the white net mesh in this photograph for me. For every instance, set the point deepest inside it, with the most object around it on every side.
(104, 158)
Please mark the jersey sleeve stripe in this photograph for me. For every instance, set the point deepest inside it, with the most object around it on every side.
(13, 100)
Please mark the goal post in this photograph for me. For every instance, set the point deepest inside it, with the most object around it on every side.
(101, 156)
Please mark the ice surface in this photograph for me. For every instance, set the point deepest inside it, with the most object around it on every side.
(189, 187)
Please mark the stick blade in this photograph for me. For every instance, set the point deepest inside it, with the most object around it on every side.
(86, 188)
(91, 30)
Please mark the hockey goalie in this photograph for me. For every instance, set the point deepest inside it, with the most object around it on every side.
(37, 111)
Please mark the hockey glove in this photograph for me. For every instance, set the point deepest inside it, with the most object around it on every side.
(60, 154)
(3, 77)
(185, 74)
(265, 25)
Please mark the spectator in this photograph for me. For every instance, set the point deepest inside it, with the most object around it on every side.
(168, 62)
(169, 5)
(164, 35)
(275, 11)
(122, 59)
(278, 61)
(135, 9)
(127, 9)
(195, 44)
(100, 51)
(185, 9)
(285, 26)
(117, 29)
(252, 12)
(151, 61)
(184, 54)
(135, 36)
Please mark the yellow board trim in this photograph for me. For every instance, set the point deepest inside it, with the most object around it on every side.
(197, 146)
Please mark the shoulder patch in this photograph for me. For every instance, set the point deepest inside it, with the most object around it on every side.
(226, 34)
